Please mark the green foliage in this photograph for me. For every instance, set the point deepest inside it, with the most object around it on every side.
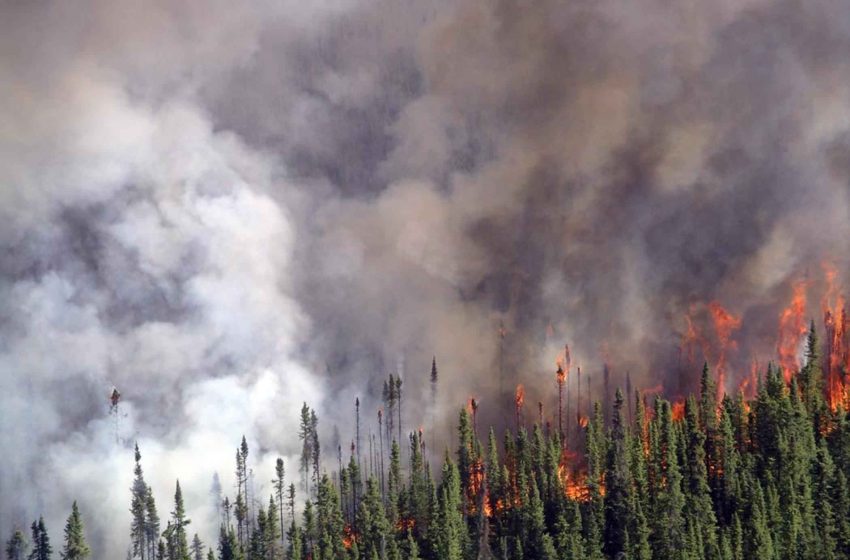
(727, 479)
(75, 547)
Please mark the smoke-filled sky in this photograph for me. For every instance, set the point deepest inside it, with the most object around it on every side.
(226, 209)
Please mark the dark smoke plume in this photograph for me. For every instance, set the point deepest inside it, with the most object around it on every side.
(226, 210)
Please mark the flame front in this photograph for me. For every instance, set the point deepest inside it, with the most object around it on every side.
(837, 354)
(724, 325)
(792, 328)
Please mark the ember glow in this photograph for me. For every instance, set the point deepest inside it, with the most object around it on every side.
(792, 329)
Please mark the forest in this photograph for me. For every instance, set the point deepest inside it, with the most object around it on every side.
(720, 477)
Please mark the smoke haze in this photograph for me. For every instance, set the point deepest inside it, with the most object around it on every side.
(226, 210)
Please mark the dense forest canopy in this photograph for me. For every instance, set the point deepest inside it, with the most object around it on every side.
(708, 478)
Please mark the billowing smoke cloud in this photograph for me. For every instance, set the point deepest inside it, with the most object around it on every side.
(228, 210)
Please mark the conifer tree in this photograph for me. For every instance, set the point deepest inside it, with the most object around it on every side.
(280, 489)
(700, 506)
(197, 548)
(16, 546)
(151, 524)
(330, 522)
(74, 547)
(596, 453)
(139, 533)
(448, 535)
(619, 496)
(178, 523)
(228, 545)
(669, 537)
(41, 549)
(306, 436)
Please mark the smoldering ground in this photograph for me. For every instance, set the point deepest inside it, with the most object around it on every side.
(228, 210)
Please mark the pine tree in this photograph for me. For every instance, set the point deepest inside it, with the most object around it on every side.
(178, 525)
(41, 549)
(138, 509)
(700, 506)
(16, 546)
(272, 535)
(293, 537)
(596, 453)
(448, 535)
(75, 547)
(330, 522)
(619, 496)
(197, 548)
(228, 545)
(306, 436)
(669, 539)
(151, 524)
(280, 488)
(314, 449)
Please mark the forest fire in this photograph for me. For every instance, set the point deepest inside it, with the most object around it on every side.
(519, 399)
(348, 537)
(836, 356)
(404, 524)
(792, 328)
(725, 324)
(678, 410)
(575, 484)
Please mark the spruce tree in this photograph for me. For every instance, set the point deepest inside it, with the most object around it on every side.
(197, 548)
(41, 549)
(698, 494)
(151, 524)
(280, 490)
(619, 490)
(139, 533)
(74, 547)
(449, 534)
(331, 525)
(16, 546)
(178, 525)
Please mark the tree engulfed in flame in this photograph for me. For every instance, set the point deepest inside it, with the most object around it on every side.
(725, 323)
(348, 537)
(678, 410)
(792, 328)
(837, 352)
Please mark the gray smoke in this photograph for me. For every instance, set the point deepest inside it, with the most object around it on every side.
(226, 210)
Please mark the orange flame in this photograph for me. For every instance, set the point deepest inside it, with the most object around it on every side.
(725, 323)
(792, 327)
(348, 537)
(519, 398)
(404, 524)
(749, 384)
(679, 410)
(837, 343)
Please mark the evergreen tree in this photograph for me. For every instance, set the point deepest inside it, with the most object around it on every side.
(75, 547)
(448, 534)
(16, 547)
(197, 548)
(151, 524)
(280, 490)
(41, 549)
(139, 533)
(178, 523)
(331, 525)
(619, 497)
(306, 436)
(228, 544)
(700, 506)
